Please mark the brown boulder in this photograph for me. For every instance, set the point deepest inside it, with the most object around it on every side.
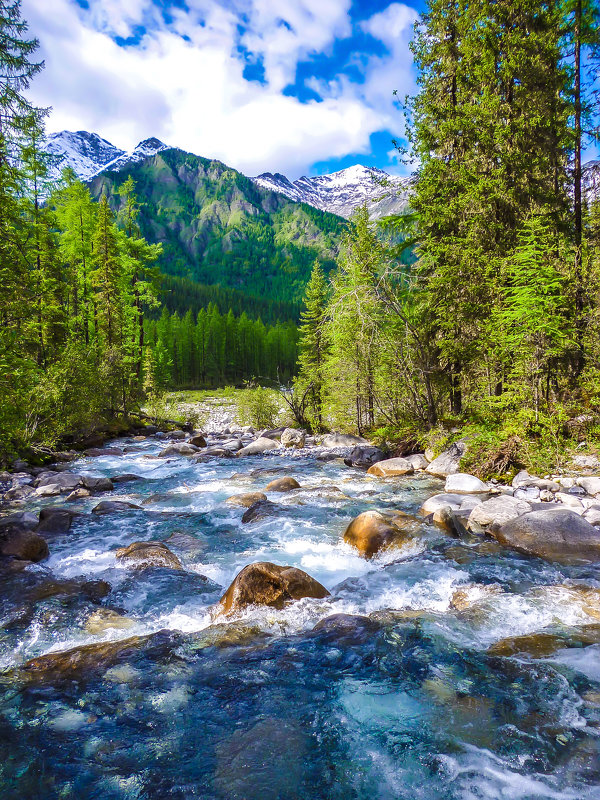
(282, 485)
(269, 584)
(391, 467)
(24, 545)
(246, 500)
(113, 506)
(370, 532)
(260, 510)
(149, 554)
(198, 440)
(544, 643)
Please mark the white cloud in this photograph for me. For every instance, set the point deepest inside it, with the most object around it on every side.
(184, 82)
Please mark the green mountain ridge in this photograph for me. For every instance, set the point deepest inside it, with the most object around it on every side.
(218, 227)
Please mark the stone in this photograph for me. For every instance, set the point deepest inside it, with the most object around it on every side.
(554, 534)
(54, 520)
(282, 485)
(114, 507)
(25, 520)
(78, 494)
(364, 456)
(371, 532)
(267, 584)
(260, 510)
(260, 445)
(95, 452)
(569, 500)
(591, 485)
(197, 440)
(23, 544)
(246, 500)
(529, 493)
(292, 437)
(391, 467)
(544, 643)
(342, 440)
(148, 554)
(496, 510)
(432, 504)
(176, 435)
(273, 433)
(417, 460)
(463, 483)
(19, 492)
(97, 484)
(592, 515)
(105, 618)
(466, 596)
(126, 477)
(448, 462)
(586, 462)
(178, 449)
(65, 481)
(523, 480)
(449, 520)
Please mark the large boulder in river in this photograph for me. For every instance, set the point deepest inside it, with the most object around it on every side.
(178, 449)
(55, 520)
(197, 440)
(97, 484)
(148, 554)
(391, 467)
(364, 456)
(267, 584)
(463, 483)
(246, 500)
(58, 482)
(443, 500)
(22, 544)
(342, 440)
(448, 462)
(370, 532)
(557, 534)
(496, 511)
(286, 484)
(259, 446)
(260, 510)
(292, 437)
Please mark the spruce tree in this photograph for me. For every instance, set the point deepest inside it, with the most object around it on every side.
(312, 345)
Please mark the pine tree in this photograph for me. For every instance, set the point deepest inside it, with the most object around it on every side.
(313, 346)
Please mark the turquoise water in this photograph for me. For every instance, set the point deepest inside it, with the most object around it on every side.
(383, 690)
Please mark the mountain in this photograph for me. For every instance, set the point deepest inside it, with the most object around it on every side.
(89, 154)
(591, 180)
(342, 192)
(86, 153)
(219, 227)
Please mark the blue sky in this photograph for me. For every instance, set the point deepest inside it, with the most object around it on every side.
(291, 86)
(295, 86)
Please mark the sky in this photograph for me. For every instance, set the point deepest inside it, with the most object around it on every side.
(292, 86)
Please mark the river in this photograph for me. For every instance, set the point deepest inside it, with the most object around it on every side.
(398, 698)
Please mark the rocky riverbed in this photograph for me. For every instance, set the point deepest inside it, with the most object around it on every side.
(230, 614)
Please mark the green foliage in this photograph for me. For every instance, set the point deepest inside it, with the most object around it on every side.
(258, 407)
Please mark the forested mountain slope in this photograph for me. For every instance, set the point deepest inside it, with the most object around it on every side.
(219, 227)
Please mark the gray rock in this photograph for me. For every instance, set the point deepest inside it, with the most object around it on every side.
(176, 435)
(125, 478)
(524, 480)
(260, 510)
(528, 493)
(97, 484)
(586, 462)
(432, 504)
(78, 494)
(448, 462)
(364, 456)
(569, 500)
(463, 483)
(591, 485)
(261, 445)
(554, 534)
(54, 520)
(342, 440)
(66, 481)
(272, 433)
(292, 437)
(497, 510)
(418, 461)
(592, 515)
(180, 449)
(391, 467)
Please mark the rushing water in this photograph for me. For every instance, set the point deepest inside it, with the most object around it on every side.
(400, 702)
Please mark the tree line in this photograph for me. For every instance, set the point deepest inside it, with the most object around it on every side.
(496, 323)
(210, 350)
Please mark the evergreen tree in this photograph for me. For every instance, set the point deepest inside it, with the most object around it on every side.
(313, 346)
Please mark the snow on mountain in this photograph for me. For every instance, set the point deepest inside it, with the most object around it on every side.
(86, 153)
(590, 175)
(342, 192)
(89, 154)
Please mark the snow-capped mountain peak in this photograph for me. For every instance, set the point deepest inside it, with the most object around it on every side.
(89, 154)
(342, 192)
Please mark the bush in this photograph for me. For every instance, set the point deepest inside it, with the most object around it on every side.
(258, 407)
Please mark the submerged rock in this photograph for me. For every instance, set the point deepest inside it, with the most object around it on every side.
(553, 534)
(260, 510)
(105, 618)
(282, 485)
(259, 446)
(474, 593)
(246, 500)
(391, 467)
(544, 643)
(149, 554)
(371, 532)
(114, 507)
(267, 584)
